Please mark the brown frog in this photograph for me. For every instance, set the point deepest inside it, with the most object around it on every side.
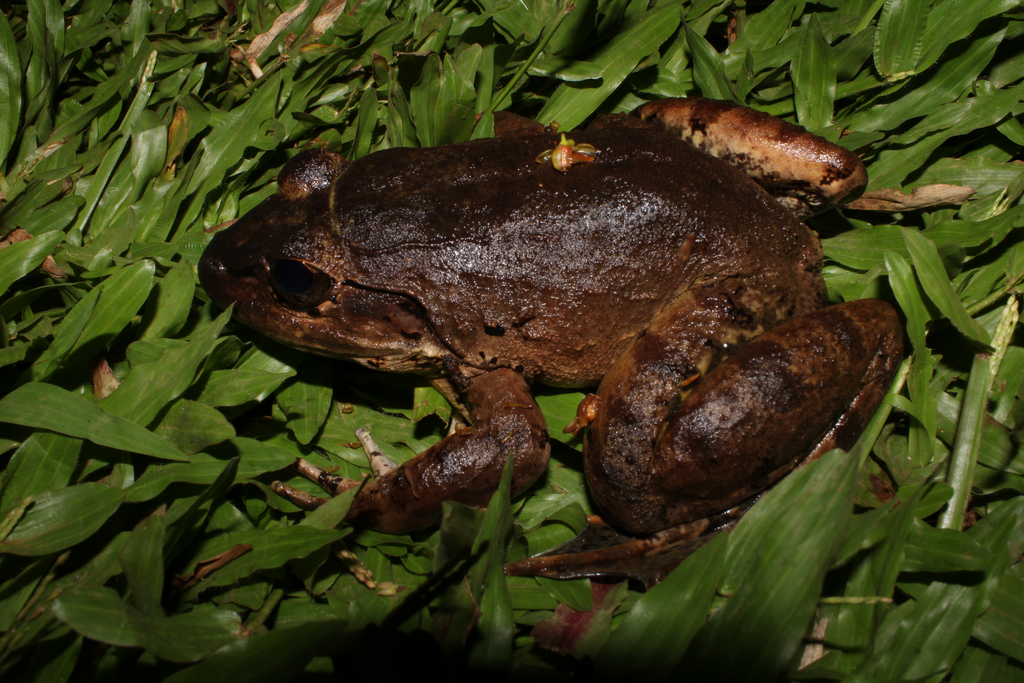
(655, 271)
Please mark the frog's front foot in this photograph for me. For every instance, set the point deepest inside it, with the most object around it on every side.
(380, 465)
(464, 467)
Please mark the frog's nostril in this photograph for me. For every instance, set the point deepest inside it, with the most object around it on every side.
(210, 265)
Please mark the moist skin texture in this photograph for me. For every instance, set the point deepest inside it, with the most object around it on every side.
(658, 273)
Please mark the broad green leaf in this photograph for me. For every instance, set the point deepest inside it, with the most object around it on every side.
(96, 319)
(943, 550)
(655, 633)
(218, 153)
(99, 613)
(197, 511)
(873, 574)
(256, 458)
(166, 313)
(908, 293)
(10, 99)
(987, 108)
(307, 400)
(979, 664)
(429, 401)
(950, 20)
(776, 562)
(270, 548)
(899, 37)
(559, 408)
(44, 406)
(571, 103)
(814, 78)
(937, 86)
(1002, 624)
(575, 593)
(44, 462)
(192, 426)
(494, 648)
(708, 69)
(113, 155)
(332, 513)
(269, 657)
(235, 387)
(142, 560)
(924, 637)
(366, 122)
(149, 387)
(565, 70)
(935, 283)
(60, 519)
(762, 30)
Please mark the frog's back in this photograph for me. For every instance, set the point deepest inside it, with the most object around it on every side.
(518, 265)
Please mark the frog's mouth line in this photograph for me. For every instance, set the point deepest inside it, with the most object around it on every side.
(308, 292)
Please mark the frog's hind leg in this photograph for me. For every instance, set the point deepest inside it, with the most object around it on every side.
(660, 453)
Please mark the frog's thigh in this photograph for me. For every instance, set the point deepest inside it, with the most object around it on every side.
(797, 391)
(466, 466)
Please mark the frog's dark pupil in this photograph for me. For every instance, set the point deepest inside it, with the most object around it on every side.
(293, 277)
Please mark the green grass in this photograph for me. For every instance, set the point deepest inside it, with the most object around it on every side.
(128, 130)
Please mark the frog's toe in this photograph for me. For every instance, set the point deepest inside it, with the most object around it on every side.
(379, 463)
(600, 551)
(330, 483)
(306, 501)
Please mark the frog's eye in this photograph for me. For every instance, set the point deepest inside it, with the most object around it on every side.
(299, 284)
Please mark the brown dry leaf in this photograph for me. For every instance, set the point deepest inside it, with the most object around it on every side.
(815, 647)
(103, 381)
(263, 40)
(326, 18)
(206, 567)
(926, 195)
(52, 269)
(13, 237)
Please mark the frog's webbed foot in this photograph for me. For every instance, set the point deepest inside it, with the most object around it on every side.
(802, 171)
(464, 467)
(600, 551)
(675, 453)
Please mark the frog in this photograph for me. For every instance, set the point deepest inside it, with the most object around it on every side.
(669, 273)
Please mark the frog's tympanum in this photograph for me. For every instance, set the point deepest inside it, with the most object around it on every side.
(656, 272)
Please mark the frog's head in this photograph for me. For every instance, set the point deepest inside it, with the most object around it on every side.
(283, 266)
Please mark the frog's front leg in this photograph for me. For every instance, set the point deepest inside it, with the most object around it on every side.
(668, 448)
(464, 467)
